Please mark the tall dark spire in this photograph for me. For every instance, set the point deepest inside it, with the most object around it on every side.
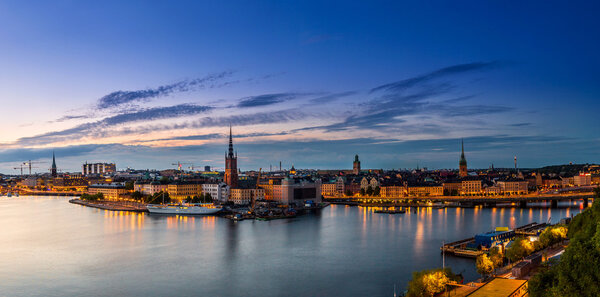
(53, 170)
(230, 142)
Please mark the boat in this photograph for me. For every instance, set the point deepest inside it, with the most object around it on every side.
(390, 211)
(184, 209)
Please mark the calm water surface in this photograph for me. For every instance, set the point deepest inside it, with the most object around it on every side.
(49, 247)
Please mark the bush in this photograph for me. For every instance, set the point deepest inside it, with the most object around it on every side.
(430, 282)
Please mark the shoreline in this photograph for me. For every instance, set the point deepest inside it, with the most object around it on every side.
(111, 205)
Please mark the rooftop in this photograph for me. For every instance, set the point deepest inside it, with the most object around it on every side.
(499, 287)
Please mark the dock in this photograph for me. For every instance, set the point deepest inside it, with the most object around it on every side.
(112, 205)
(459, 248)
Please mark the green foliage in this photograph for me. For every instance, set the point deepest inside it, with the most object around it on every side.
(129, 185)
(94, 197)
(497, 256)
(369, 191)
(429, 282)
(362, 192)
(377, 191)
(519, 249)
(484, 264)
(552, 235)
(577, 273)
(348, 193)
(137, 195)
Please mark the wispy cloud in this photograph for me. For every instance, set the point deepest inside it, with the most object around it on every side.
(123, 97)
(268, 99)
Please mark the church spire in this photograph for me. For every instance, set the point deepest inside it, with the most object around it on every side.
(53, 170)
(230, 142)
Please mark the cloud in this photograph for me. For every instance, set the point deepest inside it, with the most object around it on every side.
(267, 99)
(446, 71)
(118, 98)
(97, 128)
(332, 97)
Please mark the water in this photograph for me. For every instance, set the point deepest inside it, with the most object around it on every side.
(49, 247)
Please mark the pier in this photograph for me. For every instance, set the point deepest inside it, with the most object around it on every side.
(459, 248)
(112, 205)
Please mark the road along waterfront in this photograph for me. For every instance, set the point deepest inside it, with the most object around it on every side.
(50, 247)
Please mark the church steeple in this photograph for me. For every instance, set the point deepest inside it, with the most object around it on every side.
(462, 164)
(53, 170)
(230, 142)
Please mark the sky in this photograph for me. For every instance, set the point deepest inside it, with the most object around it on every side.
(147, 84)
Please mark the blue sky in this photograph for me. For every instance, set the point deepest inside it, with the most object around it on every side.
(310, 83)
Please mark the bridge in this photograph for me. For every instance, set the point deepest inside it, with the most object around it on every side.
(468, 200)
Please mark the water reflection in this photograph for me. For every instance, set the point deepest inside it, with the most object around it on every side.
(71, 250)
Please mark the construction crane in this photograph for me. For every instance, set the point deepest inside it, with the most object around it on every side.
(20, 167)
(29, 163)
(179, 164)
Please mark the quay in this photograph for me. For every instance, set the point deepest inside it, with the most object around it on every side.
(460, 248)
(112, 205)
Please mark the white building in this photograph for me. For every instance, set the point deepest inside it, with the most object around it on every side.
(218, 192)
(583, 179)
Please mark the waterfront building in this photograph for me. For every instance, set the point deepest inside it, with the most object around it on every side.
(452, 188)
(425, 191)
(356, 166)
(181, 190)
(513, 187)
(365, 183)
(231, 171)
(109, 191)
(218, 192)
(53, 169)
(583, 179)
(294, 191)
(462, 164)
(393, 191)
(328, 189)
(98, 168)
(471, 187)
(245, 196)
(340, 185)
(150, 188)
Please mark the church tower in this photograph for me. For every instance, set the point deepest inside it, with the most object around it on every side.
(231, 172)
(356, 166)
(53, 170)
(462, 164)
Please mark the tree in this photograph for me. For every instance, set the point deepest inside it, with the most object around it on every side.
(362, 191)
(348, 193)
(137, 195)
(552, 235)
(429, 282)
(377, 191)
(485, 266)
(369, 191)
(129, 185)
(208, 198)
(519, 249)
(497, 256)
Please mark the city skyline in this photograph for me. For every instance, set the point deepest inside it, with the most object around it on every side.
(312, 92)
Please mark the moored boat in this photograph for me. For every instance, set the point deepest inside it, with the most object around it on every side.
(184, 209)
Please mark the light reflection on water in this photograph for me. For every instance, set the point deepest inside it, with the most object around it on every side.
(49, 247)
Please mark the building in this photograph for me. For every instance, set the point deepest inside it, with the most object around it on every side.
(328, 189)
(245, 196)
(356, 166)
(109, 191)
(462, 164)
(392, 191)
(231, 172)
(366, 183)
(66, 183)
(218, 192)
(426, 191)
(297, 191)
(181, 191)
(513, 187)
(53, 170)
(150, 188)
(502, 287)
(470, 187)
(583, 179)
(452, 188)
(98, 168)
